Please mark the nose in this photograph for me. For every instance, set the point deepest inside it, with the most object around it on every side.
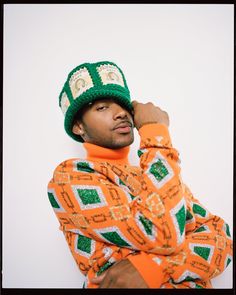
(119, 112)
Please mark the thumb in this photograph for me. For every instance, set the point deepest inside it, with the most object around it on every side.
(98, 280)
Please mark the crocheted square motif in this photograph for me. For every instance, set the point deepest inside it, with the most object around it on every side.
(65, 103)
(80, 82)
(110, 74)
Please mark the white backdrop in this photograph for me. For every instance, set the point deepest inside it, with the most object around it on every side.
(178, 56)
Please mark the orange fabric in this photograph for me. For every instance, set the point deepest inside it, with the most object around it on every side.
(101, 154)
(151, 130)
(108, 210)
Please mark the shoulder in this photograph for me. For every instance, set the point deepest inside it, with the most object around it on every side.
(75, 165)
(66, 165)
(75, 171)
(68, 169)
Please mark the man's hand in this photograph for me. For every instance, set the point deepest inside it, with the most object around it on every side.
(121, 275)
(145, 113)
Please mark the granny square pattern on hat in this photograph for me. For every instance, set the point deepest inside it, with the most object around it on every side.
(89, 82)
(110, 75)
(65, 103)
(79, 82)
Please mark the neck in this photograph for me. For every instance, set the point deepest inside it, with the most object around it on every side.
(101, 154)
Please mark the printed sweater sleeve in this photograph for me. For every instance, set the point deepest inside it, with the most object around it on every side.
(161, 200)
(153, 221)
(208, 247)
(206, 253)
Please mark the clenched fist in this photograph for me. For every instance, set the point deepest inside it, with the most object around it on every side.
(145, 113)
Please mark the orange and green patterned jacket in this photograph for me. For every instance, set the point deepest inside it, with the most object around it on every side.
(109, 210)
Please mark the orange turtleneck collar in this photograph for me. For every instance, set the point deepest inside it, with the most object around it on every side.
(102, 154)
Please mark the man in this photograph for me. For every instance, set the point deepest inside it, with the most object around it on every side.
(126, 226)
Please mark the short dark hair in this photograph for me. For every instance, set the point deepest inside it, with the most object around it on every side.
(78, 116)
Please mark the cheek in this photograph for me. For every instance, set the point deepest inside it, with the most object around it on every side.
(101, 124)
(98, 124)
(101, 121)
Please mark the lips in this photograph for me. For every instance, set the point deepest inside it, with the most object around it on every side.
(123, 127)
(123, 124)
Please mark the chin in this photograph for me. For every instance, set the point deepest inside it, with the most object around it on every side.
(121, 144)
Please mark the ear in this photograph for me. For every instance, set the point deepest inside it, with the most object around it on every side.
(78, 128)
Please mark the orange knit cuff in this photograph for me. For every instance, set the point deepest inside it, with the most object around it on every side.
(154, 129)
(148, 269)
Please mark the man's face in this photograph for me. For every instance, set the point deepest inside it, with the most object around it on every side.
(105, 123)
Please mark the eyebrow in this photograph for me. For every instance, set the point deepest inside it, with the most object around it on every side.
(104, 100)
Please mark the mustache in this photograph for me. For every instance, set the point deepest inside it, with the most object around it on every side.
(123, 123)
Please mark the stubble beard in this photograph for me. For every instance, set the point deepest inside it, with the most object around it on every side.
(111, 143)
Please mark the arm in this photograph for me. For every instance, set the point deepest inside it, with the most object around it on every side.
(187, 269)
(146, 223)
(208, 246)
(154, 221)
(159, 200)
(207, 252)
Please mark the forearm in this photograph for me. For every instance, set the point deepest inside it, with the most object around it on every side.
(206, 253)
(162, 197)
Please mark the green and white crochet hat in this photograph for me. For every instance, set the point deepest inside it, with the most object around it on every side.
(89, 82)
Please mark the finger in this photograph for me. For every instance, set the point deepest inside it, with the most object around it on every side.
(134, 103)
(98, 279)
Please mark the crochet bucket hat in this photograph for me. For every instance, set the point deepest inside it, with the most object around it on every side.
(89, 82)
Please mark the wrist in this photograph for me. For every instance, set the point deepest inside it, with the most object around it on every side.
(154, 134)
(145, 123)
